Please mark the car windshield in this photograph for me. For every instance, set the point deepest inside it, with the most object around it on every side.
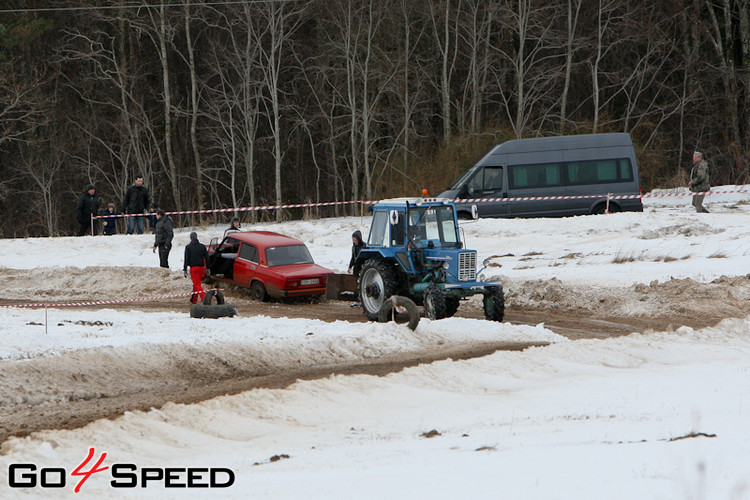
(291, 254)
(433, 227)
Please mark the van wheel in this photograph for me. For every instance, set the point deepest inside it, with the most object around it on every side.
(601, 208)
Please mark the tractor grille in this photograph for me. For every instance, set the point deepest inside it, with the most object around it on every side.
(467, 266)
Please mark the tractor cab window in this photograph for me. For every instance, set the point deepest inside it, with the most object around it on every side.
(377, 231)
(433, 227)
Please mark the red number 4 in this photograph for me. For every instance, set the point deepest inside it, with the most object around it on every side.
(87, 474)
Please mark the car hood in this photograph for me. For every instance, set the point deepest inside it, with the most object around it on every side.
(301, 270)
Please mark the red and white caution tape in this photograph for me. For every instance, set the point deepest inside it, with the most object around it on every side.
(240, 209)
(458, 200)
(102, 302)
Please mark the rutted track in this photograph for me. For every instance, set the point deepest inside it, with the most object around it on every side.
(73, 389)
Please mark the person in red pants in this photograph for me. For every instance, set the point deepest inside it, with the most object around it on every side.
(196, 258)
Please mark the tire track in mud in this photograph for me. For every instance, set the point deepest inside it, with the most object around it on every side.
(90, 385)
(73, 389)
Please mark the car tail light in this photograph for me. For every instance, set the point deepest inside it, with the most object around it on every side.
(292, 283)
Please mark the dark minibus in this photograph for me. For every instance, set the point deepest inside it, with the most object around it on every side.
(559, 168)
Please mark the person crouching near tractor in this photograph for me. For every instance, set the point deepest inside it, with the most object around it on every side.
(196, 258)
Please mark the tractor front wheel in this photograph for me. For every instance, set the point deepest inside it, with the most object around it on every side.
(434, 303)
(494, 303)
(377, 282)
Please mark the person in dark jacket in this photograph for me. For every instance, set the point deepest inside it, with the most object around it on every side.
(234, 226)
(136, 202)
(196, 258)
(357, 246)
(109, 222)
(87, 205)
(163, 234)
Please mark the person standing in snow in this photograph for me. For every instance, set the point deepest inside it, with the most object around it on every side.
(163, 234)
(234, 226)
(196, 258)
(87, 205)
(357, 246)
(110, 223)
(699, 183)
(136, 202)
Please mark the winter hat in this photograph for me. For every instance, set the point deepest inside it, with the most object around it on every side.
(90, 187)
(698, 154)
(193, 236)
(234, 219)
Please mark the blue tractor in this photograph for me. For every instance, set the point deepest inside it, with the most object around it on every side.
(415, 250)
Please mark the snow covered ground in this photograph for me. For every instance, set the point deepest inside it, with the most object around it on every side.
(656, 415)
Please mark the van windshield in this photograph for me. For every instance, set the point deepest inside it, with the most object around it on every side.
(433, 227)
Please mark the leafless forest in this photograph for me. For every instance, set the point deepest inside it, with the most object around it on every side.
(229, 103)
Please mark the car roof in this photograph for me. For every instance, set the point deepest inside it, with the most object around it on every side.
(265, 238)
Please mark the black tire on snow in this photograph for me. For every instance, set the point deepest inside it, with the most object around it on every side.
(211, 294)
(377, 282)
(402, 311)
(494, 303)
(434, 303)
(258, 291)
(451, 306)
(213, 311)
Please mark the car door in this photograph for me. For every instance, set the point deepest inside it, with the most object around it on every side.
(489, 183)
(246, 264)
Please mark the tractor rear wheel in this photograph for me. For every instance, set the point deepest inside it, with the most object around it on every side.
(377, 282)
(494, 303)
(434, 303)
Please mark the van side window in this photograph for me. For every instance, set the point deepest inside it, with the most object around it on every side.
(249, 252)
(535, 176)
(493, 178)
(600, 171)
(487, 179)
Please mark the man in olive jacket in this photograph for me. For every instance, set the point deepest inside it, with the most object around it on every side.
(163, 234)
(699, 183)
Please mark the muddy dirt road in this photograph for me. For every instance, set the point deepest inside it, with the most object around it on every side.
(190, 375)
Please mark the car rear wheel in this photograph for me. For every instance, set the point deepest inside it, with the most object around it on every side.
(258, 291)
(434, 303)
(377, 282)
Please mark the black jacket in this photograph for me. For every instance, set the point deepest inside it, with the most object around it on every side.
(163, 232)
(136, 200)
(196, 255)
(356, 248)
(86, 206)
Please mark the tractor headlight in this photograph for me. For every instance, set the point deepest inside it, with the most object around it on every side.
(446, 265)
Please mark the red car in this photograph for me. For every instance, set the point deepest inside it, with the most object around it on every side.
(269, 264)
